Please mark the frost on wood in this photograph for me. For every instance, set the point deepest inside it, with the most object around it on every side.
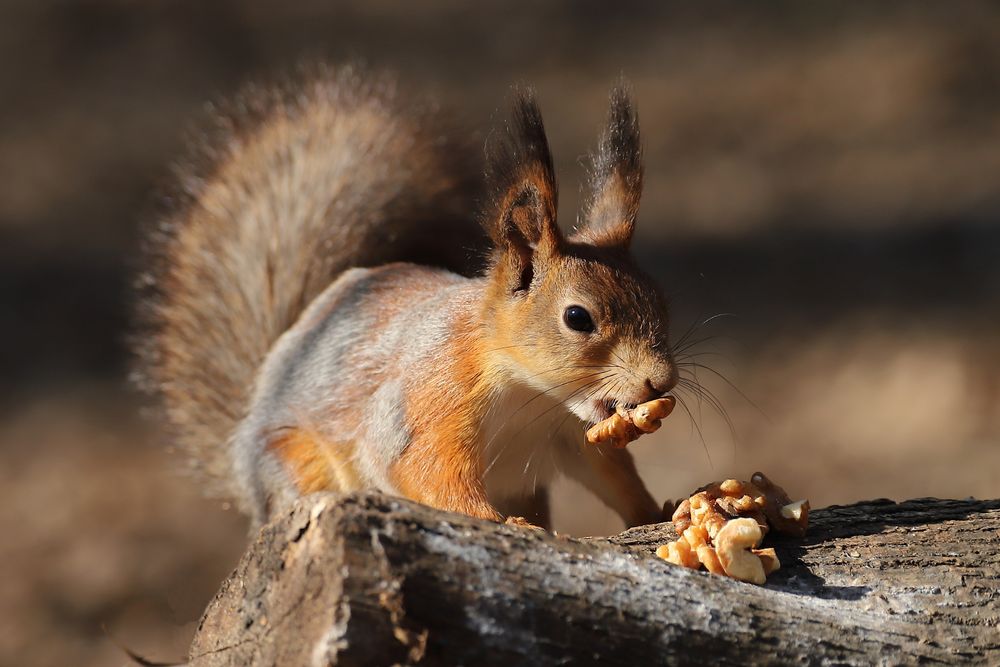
(369, 579)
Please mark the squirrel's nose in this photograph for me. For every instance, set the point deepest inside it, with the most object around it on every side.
(661, 380)
(662, 386)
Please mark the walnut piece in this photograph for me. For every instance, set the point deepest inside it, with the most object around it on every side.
(760, 499)
(678, 553)
(797, 519)
(627, 425)
(733, 544)
(722, 524)
(796, 510)
(768, 559)
(710, 559)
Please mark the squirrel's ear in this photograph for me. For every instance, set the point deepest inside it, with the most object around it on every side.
(612, 204)
(521, 217)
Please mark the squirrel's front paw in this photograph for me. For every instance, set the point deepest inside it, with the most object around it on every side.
(521, 521)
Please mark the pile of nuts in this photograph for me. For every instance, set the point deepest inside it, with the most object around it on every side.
(721, 527)
(722, 524)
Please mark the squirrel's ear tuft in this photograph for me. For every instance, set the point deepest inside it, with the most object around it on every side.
(521, 215)
(612, 203)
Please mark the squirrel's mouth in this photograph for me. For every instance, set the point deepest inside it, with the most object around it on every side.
(597, 410)
(603, 409)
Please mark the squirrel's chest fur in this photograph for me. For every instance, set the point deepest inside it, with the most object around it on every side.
(522, 435)
(334, 403)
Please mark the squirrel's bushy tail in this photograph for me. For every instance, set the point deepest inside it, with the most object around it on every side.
(301, 182)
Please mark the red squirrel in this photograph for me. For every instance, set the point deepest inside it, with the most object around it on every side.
(286, 368)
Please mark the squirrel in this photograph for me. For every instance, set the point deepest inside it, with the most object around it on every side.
(315, 319)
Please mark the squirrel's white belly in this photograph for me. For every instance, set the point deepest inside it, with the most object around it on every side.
(521, 436)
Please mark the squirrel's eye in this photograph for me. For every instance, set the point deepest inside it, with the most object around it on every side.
(578, 319)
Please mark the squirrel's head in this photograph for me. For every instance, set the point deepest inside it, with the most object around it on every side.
(572, 316)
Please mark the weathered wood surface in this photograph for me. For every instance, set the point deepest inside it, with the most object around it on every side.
(373, 580)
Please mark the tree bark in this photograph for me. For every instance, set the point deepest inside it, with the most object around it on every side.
(374, 580)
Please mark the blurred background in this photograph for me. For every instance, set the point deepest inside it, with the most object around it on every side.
(827, 175)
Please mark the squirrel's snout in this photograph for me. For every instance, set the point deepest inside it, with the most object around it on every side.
(657, 391)
(662, 381)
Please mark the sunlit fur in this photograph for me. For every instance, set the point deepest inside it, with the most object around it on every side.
(289, 186)
(625, 360)
(537, 273)
(287, 373)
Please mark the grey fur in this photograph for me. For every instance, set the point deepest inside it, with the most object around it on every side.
(261, 326)
(301, 181)
(335, 351)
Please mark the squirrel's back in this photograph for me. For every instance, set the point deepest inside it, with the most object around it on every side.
(302, 182)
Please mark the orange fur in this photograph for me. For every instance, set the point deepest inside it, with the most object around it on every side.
(416, 365)
(254, 240)
(516, 337)
(442, 466)
(315, 464)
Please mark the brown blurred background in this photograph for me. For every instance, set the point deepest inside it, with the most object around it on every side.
(828, 173)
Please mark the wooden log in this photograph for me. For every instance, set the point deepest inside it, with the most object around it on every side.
(374, 580)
